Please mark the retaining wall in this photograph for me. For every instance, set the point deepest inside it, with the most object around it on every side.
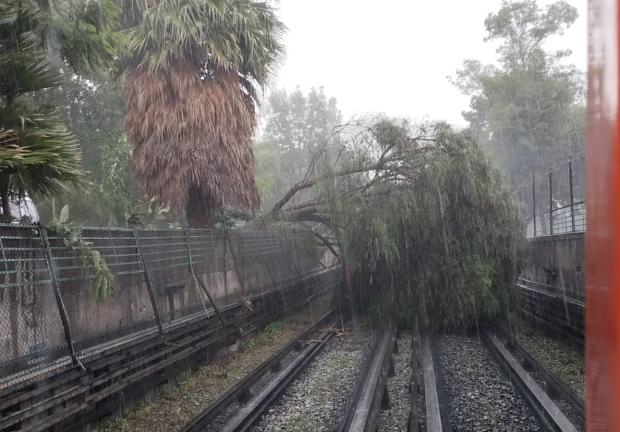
(552, 284)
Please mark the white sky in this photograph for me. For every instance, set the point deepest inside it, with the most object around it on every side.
(394, 56)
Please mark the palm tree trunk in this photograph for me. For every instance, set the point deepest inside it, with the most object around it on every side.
(199, 212)
(197, 218)
(4, 196)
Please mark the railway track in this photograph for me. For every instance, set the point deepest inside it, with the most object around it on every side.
(371, 394)
(508, 389)
(242, 406)
(463, 390)
(239, 407)
(556, 406)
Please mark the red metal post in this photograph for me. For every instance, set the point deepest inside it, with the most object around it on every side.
(603, 224)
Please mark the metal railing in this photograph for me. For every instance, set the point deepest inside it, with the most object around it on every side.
(555, 200)
(48, 312)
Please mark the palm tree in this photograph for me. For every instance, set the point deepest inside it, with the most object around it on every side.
(38, 154)
(190, 90)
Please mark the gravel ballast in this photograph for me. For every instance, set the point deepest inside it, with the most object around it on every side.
(316, 400)
(396, 417)
(479, 396)
(564, 361)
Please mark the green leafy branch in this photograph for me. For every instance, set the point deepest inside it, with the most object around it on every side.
(102, 285)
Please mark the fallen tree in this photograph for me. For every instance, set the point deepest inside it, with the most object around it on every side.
(426, 226)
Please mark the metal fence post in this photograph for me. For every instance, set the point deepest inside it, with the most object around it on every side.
(233, 255)
(198, 281)
(534, 200)
(188, 240)
(149, 286)
(239, 277)
(550, 203)
(572, 198)
(62, 310)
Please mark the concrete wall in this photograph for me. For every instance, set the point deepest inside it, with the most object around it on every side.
(552, 285)
(557, 261)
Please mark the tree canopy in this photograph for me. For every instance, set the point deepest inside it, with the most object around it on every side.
(40, 41)
(296, 125)
(528, 110)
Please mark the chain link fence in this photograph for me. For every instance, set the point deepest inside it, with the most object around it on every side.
(49, 314)
(555, 200)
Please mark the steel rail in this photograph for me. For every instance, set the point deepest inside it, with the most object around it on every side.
(554, 383)
(547, 411)
(371, 393)
(241, 390)
(431, 394)
(249, 413)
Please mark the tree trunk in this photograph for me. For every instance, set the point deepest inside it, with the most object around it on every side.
(4, 196)
(197, 218)
(199, 211)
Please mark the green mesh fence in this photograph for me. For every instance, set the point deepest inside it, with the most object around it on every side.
(49, 313)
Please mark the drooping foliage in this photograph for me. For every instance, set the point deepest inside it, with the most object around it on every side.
(440, 251)
(427, 227)
(190, 90)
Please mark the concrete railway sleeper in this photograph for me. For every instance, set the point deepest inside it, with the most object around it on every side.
(486, 383)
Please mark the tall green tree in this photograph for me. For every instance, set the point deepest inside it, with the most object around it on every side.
(528, 110)
(191, 78)
(39, 42)
(296, 126)
(93, 110)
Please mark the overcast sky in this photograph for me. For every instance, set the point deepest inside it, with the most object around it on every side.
(394, 56)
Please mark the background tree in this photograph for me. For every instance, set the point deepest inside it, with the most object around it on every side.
(528, 110)
(296, 126)
(190, 92)
(93, 110)
(39, 42)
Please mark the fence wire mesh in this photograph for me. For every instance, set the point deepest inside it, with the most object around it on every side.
(554, 202)
(160, 278)
(93, 321)
(31, 330)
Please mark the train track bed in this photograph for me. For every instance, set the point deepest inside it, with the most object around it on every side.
(566, 399)
(564, 361)
(396, 416)
(316, 400)
(176, 404)
(478, 395)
